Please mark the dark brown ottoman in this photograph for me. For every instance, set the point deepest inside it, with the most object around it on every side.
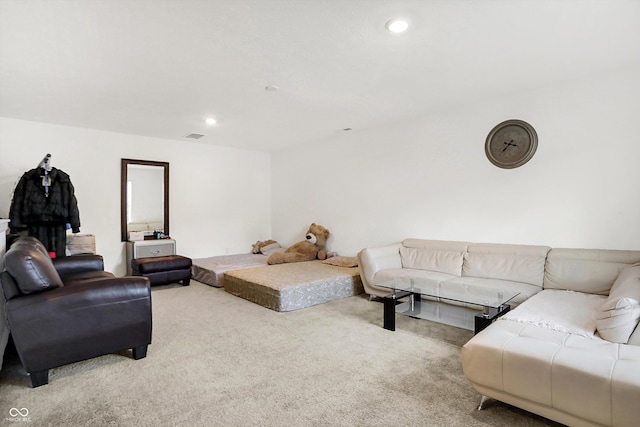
(163, 269)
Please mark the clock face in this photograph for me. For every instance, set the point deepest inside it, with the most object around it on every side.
(511, 144)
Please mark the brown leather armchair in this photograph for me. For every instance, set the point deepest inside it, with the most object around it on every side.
(69, 309)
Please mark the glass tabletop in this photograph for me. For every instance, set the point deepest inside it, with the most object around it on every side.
(486, 297)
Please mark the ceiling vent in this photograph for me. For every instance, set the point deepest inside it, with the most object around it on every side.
(195, 136)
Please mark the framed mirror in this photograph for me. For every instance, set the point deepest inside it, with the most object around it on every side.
(144, 202)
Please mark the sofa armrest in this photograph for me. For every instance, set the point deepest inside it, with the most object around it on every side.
(373, 260)
(75, 264)
(108, 315)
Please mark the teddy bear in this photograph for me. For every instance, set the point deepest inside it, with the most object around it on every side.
(307, 250)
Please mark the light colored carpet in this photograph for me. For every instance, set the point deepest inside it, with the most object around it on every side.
(218, 360)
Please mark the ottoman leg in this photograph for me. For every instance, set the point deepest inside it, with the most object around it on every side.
(39, 378)
(139, 352)
(185, 282)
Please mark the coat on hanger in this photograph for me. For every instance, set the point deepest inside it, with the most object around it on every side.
(32, 206)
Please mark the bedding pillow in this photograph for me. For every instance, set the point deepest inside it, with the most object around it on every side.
(32, 270)
(274, 249)
(265, 247)
(619, 315)
(269, 246)
(342, 261)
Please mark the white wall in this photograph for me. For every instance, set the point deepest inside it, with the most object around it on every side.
(219, 199)
(430, 178)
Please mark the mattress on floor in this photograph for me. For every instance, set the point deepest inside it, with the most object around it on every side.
(211, 270)
(288, 287)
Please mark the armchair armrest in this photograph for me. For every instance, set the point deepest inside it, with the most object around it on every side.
(108, 315)
(373, 260)
(75, 264)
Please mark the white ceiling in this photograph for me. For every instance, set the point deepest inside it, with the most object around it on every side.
(160, 67)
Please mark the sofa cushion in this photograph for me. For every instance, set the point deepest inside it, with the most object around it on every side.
(618, 317)
(525, 290)
(517, 263)
(87, 276)
(433, 255)
(586, 270)
(449, 262)
(32, 270)
(430, 276)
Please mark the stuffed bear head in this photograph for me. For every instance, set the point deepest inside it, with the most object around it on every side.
(317, 235)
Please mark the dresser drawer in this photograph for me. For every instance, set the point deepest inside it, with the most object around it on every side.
(148, 251)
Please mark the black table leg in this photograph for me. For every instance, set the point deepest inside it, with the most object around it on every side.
(482, 320)
(389, 302)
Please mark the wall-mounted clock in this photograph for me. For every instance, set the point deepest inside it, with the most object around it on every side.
(511, 144)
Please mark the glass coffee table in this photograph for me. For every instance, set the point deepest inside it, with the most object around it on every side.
(423, 300)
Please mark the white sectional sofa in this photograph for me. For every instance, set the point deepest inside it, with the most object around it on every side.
(518, 267)
(569, 350)
(456, 264)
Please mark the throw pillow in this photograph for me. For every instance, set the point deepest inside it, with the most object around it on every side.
(342, 261)
(31, 241)
(32, 270)
(620, 314)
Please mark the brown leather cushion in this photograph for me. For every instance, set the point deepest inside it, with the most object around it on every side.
(32, 270)
(32, 242)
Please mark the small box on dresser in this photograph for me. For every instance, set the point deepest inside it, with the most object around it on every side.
(81, 244)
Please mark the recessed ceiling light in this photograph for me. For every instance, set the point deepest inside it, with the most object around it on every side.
(397, 25)
(211, 121)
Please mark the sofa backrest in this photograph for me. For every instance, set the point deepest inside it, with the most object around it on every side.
(434, 255)
(586, 270)
(517, 263)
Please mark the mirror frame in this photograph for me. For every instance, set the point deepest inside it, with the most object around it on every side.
(123, 193)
